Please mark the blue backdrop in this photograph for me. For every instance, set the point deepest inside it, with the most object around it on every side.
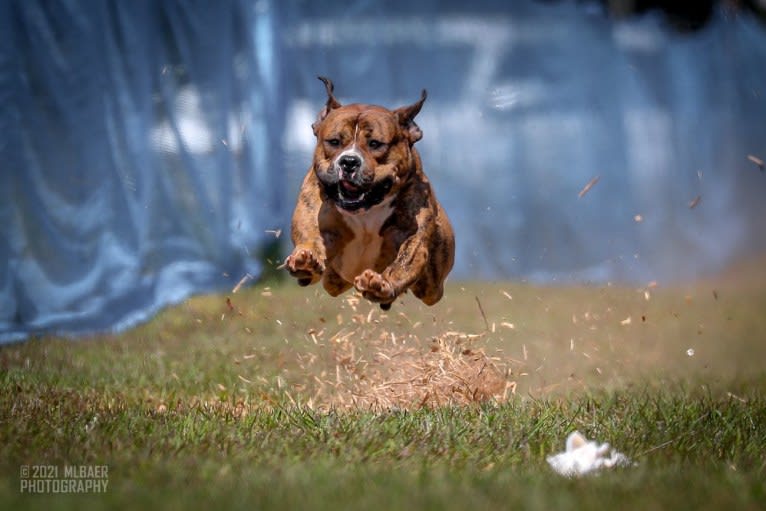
(151, 148)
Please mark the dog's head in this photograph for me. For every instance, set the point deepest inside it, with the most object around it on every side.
(364, 153)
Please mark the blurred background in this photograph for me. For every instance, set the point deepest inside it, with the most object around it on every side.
(153, 149)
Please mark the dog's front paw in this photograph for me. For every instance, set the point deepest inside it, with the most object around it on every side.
(375, 287)
(304, 266)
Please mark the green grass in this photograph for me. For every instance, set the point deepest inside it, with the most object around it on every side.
(207, 406)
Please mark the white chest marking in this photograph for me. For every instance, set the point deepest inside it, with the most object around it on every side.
(363, 250)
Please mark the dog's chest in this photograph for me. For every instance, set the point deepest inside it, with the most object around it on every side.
(363, 250)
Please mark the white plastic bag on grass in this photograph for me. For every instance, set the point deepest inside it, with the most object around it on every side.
(583, 456)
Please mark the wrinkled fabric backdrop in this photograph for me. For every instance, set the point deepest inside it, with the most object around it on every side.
(152, 149)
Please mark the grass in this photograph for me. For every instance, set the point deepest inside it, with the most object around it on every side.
(241, 405)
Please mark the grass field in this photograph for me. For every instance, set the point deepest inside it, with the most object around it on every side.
(284, 398)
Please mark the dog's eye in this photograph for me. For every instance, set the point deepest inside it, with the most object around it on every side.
(334, 142)
(375, 144)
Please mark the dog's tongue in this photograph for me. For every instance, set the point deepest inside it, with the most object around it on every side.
(348, 186)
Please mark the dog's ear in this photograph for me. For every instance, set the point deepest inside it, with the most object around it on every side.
(406, 116)
(331, 104)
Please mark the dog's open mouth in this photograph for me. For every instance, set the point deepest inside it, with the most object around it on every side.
(352, 197)
(349, 191)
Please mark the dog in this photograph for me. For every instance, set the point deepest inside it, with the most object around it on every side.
(366, 215)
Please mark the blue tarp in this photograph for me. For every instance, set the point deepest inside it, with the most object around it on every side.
(151, 148)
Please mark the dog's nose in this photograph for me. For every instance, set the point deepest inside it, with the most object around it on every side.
(349, 163)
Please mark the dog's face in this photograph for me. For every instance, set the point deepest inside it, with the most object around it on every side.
(364, 153)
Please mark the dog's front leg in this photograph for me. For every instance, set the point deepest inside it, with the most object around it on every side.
(384, 287)
(307, 260)
(408, 265)
(305, 264)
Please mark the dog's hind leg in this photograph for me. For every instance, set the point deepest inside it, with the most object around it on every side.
(430, 286)
(334, 283)
(428, 290)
